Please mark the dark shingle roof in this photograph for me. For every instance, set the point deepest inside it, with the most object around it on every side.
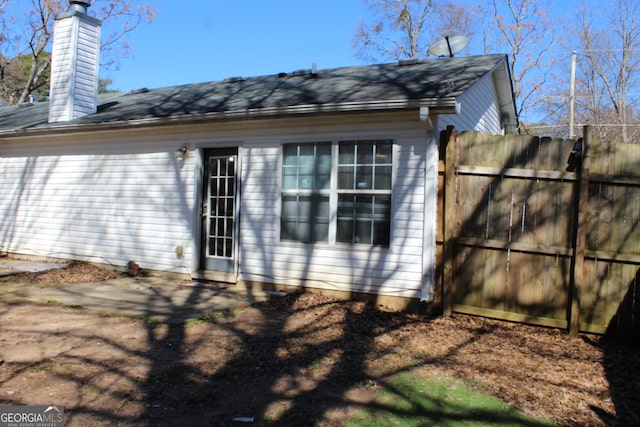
(386, 85)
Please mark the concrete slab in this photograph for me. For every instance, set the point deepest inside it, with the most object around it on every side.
(153, 297)
(149, 297)
(14, 266)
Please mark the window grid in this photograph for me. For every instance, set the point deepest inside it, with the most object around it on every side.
(221, 207)
(364, 192)
(337, 192)
(306, 178)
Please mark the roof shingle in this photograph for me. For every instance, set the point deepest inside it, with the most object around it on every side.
(433, 79)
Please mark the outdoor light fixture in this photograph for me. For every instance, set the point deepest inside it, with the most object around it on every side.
(181, 152)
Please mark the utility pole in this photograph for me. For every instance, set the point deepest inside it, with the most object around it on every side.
(572, 93)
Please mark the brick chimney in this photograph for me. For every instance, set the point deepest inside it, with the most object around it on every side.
(74, 64)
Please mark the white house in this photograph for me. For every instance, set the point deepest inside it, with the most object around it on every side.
(323, 179)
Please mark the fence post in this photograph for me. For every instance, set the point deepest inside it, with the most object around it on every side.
(581, 235)
(449, 217)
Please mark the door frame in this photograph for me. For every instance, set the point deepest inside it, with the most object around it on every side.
(198, 270)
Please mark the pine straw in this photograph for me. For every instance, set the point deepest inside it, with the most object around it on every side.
(589, 380)
(74, 273)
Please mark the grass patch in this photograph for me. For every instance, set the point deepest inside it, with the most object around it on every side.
(409, 401)
(213, 316)
(149, 321)
(45, 285)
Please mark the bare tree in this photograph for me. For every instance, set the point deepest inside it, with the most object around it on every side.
(26, 36)
(609, 69)
(404, 29)
(523, 30)
(519, 28)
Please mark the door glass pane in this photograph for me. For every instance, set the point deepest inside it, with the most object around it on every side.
(213, 206)
(220, 227)
(219, 247)
(231, 186)
(231, 166)
(228, 248)
(229, 212)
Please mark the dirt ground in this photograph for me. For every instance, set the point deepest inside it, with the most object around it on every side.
(302, 359)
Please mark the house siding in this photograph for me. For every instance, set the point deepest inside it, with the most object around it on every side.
(100, 207)
(480, 110)
(128, 198)
(393, 271)
(74, 71)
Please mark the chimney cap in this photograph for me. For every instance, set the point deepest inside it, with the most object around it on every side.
(80, 5)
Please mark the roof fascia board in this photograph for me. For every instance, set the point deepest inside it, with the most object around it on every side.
(447, 105)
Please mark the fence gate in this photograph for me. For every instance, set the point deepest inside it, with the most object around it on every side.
(535, 231)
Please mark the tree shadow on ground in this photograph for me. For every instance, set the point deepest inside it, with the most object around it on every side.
(621, 350)
(300, 364)
(301, 359)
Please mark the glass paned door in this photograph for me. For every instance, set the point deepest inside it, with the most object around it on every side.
(219, 210)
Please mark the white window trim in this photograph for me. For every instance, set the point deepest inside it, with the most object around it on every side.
(333, 193)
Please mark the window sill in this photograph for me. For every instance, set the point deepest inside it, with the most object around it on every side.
(342, 247)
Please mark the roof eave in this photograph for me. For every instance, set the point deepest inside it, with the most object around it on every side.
(445, 105)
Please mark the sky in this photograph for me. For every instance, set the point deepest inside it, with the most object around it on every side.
(194, 41)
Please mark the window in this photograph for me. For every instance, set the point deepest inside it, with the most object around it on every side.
(337, 192)
(364, 192)
(306, 178)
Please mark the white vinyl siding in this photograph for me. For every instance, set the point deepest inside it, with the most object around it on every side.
(74, 69)
(130, 199)
(479, 110)
(98, 207)
(396, 270)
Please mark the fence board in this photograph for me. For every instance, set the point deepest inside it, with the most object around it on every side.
(509, 231)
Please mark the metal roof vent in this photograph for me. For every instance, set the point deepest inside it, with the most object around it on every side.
(410, 61)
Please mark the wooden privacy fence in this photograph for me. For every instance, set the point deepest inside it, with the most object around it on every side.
(540, 230)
